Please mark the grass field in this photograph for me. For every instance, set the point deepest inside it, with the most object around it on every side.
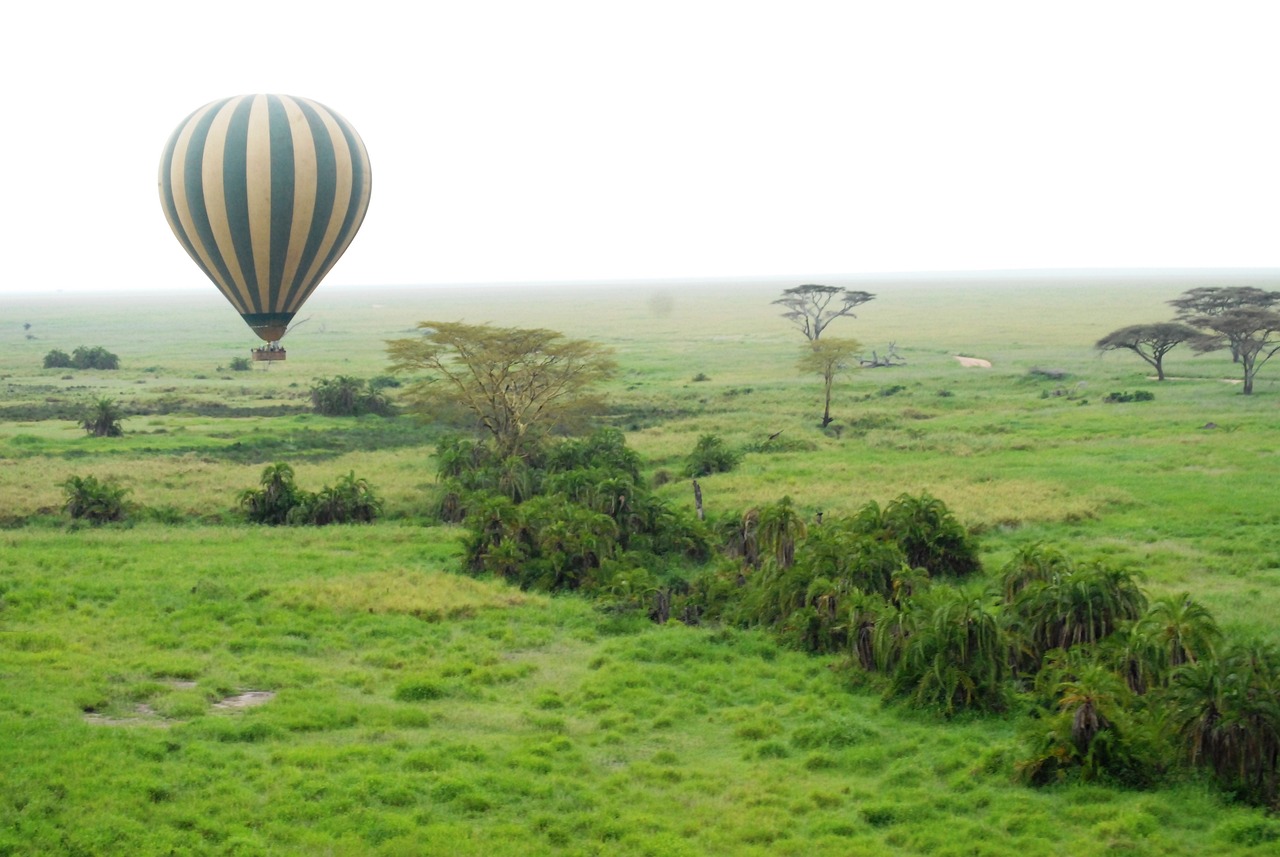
(413, 710)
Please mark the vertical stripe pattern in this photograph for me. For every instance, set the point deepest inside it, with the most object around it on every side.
(265, 193)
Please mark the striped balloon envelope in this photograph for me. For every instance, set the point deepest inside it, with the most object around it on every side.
(265, 193)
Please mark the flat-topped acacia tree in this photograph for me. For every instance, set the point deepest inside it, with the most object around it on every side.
(1252, 334)
(1151, 342)
(812, 307)
(517, 383)
(1200, 305)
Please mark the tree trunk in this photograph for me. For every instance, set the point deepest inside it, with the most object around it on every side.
(697, 499)
(826, 407)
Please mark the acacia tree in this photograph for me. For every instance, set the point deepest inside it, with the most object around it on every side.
(1207, 302)
(1151, 342)
(1252, 333)
(516, 383)
(828, 358)
(809, 307)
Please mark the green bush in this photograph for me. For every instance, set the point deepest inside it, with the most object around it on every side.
(57, 359)
(93, 500)
(103, 419)
(710, 456)
(351, 501)
(928, 533)
(240, 364)
(345, 396)
(96, 357)
(1135, 396)
(554, 519)
(83, 357)
(278, 500)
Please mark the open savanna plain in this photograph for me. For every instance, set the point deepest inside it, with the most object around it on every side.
(188, 683)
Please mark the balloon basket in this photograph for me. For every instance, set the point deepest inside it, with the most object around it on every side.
(268, 353)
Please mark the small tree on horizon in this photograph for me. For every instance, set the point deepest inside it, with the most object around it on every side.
(1151, 342)
(809, 307)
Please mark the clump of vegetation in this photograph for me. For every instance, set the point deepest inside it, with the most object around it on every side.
(345, 396)
(240, 364)
(575, 515)
(98, 501)
(1135, 396)
(278, 500)
(83, 357)
(700, 377)
(103, 419)
(711, 455)
(57, 359)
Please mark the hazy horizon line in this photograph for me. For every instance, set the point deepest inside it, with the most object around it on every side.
(1047, 275)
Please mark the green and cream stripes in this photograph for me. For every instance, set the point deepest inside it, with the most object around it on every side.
(265, 192)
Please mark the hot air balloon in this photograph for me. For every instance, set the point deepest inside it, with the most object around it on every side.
(265, 193)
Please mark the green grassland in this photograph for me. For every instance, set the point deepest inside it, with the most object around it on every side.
(419, 711)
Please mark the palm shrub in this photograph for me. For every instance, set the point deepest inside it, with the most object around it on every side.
(96, 501)
(839, 550)
(953, 654)
(1078, 605)
(808, 602)
(606, 448)
(1226, 714)
(103, 419)
(552, 516)
(930, 535)
(710, 455)
(57, 359)
(350, 501)
(95, 357)
(1091, 728)
(1184, 629)
(779, 528)
(571, 540)
(1033, 563)
(274, 498)
(345, 396)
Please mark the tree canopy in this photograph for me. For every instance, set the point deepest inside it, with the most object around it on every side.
(810, 307)
(1252, 334)
(1151, 342)
(516, 383)
(1200, 304)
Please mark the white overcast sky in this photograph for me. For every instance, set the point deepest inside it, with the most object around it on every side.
(537, 141)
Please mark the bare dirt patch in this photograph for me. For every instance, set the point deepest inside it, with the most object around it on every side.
(973, 362)
(143, 715)
(248, 699)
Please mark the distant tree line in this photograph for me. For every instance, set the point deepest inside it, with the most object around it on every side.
(1211, 318)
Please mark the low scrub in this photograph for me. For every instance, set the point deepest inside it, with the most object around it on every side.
(98, 501)
(345, 396)
(278, 500)
(1135, 396)
(711, 455)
